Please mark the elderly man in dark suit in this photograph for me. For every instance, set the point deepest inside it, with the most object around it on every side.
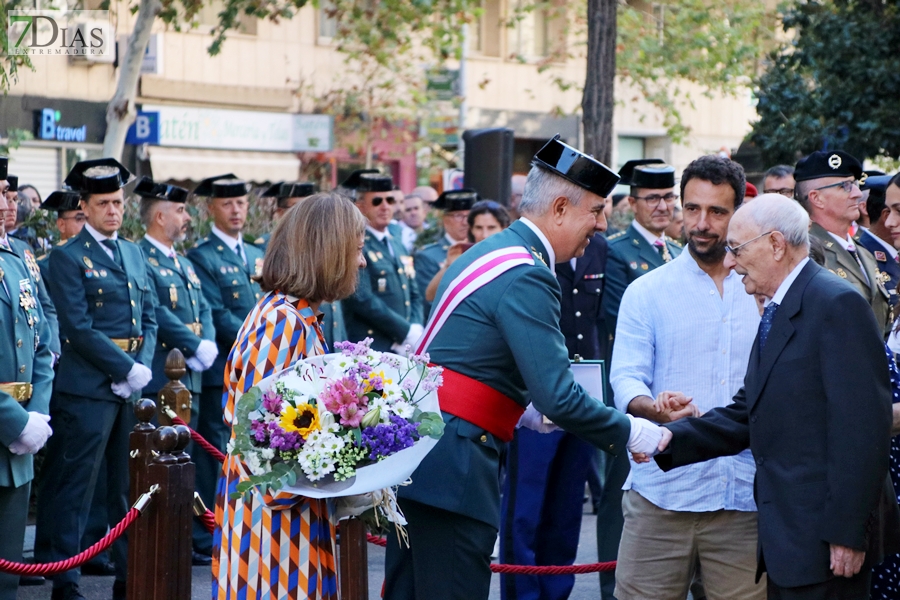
(815, 409)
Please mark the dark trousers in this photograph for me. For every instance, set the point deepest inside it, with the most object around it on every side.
(13, 516)
(610, 520)
(85, 431)
(541, 510)
(837, 588)
(448, 557)
(210, 425)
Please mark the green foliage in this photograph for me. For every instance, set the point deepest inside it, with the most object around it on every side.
(9, 65)
(431, 425)
(835, 84)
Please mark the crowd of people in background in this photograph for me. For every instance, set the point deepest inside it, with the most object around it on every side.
(687, 279)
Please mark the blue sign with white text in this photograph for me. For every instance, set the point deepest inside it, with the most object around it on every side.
(144, 130)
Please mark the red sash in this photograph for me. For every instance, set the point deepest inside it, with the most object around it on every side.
(479, 404)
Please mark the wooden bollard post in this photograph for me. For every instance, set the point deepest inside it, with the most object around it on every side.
(354, 560)
(140, 457)
(174, 395)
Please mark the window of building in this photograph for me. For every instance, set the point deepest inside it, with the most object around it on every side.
(327, 23)
(630, 148)
(484, 32)
(208, 15)
(537, 31)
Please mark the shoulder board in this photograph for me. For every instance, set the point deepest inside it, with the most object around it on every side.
(200, 242)
(259, 240)
(675, 242)
(616, 236)
(126, 239)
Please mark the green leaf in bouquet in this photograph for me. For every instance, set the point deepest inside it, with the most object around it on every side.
(357, 435)
(417, 414)
(431, 425)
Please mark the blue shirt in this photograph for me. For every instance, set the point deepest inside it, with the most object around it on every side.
(676, 333)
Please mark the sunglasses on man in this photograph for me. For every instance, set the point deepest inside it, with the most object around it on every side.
(377, 200)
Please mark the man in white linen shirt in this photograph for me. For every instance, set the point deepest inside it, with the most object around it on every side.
(688, 327)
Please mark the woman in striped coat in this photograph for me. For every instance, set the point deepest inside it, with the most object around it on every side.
(281, 546)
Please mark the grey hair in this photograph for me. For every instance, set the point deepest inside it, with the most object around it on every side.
(774, 212)
(149, 208)
(801, 193)
(542, 187)
(780, 171)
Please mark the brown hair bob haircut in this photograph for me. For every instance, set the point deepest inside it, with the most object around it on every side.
(313, 252)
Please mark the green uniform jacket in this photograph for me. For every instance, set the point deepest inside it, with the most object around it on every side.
(428, 262)
(507, 336)
(839, 262)
(179, 302)
(387, 299)
(23, 251)
(26, 357)
(231, 294)
(333, 323)
(262, 242)
(630, 256)
(97, 300)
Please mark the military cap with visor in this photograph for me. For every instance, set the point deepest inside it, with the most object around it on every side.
(150, 190)
(62, 200)
(627, 169)
(222, 186)
(352, 182)
(453, 200)
(289, 189)
(836, 163)
(98, 176)
(576, 167)
(653, 177)
(13, 181)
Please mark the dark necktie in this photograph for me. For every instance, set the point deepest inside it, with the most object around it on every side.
(765, 324)
(114, 246)
(855, 255)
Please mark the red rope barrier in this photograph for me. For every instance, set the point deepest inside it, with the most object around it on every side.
(528, 569)
(209, 520)
(199, 439)
(48, 569)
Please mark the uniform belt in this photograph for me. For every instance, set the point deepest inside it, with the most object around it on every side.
(128, 344)
(479, 404)
(20, 391)
(196, 328)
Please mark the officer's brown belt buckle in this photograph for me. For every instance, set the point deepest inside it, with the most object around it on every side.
(129, 344)
(20, 391)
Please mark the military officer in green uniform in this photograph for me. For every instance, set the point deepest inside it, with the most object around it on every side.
(827, 186)
(455, 206)
(644, 245)
(225, 266)
(501, 348)
(106, 306)
(387, 305)
(26, 380)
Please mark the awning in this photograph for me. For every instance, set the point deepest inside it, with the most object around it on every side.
(188, 164)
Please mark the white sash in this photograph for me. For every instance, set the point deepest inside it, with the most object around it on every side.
(480, 272)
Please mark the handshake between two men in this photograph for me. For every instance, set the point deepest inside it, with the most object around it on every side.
(670, 406)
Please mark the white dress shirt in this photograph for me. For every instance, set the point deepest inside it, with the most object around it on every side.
(100, 238)
(848, 245)
(645, 233)
(234, 244)
(778, 297)
(676, 333)
(167, 251)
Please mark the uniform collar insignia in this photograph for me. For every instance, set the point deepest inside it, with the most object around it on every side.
(539, 256)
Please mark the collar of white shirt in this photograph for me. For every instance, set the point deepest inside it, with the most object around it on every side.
(551, 255)
(645, 233)
(451, 240)
(229, 241)
(845, 242)
(167, 251)
(99, 236)
(892, 252)
(379, 235)
(782, 290)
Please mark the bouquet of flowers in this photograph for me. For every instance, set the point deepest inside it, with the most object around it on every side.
(337, 425)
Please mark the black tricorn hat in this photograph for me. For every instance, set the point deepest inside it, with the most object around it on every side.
(452, 200)
(4, 164)
(98, 184)
(221, 186)
(653, 176)
(375, 182)
(836, 163)
(581, 169)
(150, 190)
(352, 182)
(627, 169)
(13, 181)
(62, 200)
(289, 189)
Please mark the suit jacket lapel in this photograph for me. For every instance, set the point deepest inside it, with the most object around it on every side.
(645, 250)
(531, 242)
(781, 332)
(94, 251)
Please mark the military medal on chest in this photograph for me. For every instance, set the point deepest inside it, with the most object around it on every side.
(28, 302)
(173, 295)
(259, 266)
(32, 265)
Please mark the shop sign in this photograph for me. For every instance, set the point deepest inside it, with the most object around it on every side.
(48, 127)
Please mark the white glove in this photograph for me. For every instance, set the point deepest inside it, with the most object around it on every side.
(34, 436)
(206, 353)
(532, 419)
(645, 436)
(139, 376)
(195, 364)
(122, 389)
(413, 335)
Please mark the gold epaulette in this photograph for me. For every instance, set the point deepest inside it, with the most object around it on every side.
(616, 235)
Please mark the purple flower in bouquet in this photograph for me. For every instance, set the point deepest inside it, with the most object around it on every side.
(344, 397)
(272, 402)
(258, 431)
(385, 439)
(354, 349)
(283, 441)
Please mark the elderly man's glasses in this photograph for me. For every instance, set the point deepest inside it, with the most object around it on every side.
(655, 199)
(736, 251)
(789, 192)
(377, 200)
(845, 185)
